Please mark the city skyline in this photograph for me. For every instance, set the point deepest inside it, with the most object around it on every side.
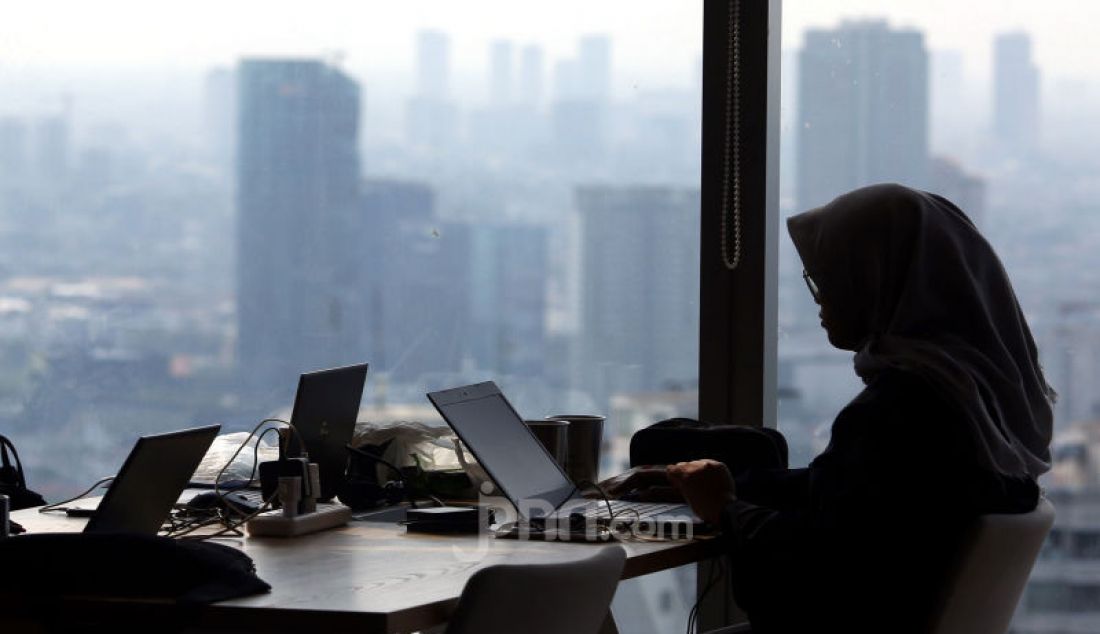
(34, 36)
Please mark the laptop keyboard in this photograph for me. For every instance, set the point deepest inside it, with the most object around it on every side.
(624, 510)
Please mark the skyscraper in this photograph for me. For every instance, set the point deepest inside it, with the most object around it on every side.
(594, 72)
(51, 149)
(862, 110)
(968, 191)
(508, 276)
(500, 73)
(582, 88)
(298, 219)
(431, 118)
(531, 72)
(639, 289)
(415, 280)
(433, 64)
(13, 151)
(1015, 93)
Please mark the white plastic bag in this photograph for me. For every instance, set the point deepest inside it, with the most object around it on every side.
(223, 448)
(412, 443)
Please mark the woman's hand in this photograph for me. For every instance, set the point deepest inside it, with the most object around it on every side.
(706, 485)
(642, 483)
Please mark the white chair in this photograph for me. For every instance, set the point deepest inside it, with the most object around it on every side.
(983, 592)
(569, 597)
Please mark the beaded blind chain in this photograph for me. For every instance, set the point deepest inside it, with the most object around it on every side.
(731, 167)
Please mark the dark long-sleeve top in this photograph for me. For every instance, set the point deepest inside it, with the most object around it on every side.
(863, 539)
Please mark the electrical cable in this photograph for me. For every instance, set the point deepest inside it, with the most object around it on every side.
(256, 453)
(716, 573)
(57, 506)
(217, 479)
(228, 526)
(397, 470)
(227, 505)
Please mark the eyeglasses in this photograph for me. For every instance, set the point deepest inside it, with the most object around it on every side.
(812, 286)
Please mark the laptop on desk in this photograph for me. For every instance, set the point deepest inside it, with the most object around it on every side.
(149, 482)
(529, 477)
(325, 409)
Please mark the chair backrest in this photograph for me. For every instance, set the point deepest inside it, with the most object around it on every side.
(984, 591)
(540, 598)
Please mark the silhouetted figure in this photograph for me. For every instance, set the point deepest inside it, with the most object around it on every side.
(954, 421)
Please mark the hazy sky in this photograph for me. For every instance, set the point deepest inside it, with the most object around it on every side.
(655, 36)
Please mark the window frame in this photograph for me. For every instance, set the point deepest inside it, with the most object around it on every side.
(738, 318)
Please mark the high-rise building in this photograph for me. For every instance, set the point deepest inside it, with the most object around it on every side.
(298, 219)
(416, 282)
(51, 149)
(501, 73)
(431, 119)
(862, 110)
(433, 64)
(13, 151)
(508, 276)
(966, 190)
(582, 87)
(1015, 93)
(530, 80)
(639, 289)
(594, 63)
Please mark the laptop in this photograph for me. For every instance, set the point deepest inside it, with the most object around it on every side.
(528, 475)
(325, 409)
(149, 482)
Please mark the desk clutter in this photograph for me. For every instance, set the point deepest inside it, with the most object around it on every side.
(145, 555)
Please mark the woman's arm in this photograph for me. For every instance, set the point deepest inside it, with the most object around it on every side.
(776, 488)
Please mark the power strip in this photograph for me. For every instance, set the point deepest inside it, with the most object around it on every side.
(273, 524)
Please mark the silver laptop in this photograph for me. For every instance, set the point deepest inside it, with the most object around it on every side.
(526, 473)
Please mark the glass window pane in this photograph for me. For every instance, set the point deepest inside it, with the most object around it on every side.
(199, 203)
(985, 104)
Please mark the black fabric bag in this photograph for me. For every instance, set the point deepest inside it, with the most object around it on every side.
(13, 483)
(48, 566)
(684, 439)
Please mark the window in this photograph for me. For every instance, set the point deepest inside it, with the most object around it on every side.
(198, 204)
(984, 104)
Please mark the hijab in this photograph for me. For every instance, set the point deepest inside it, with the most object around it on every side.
(910, 271)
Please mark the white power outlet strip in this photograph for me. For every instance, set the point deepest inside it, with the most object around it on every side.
(273, 524)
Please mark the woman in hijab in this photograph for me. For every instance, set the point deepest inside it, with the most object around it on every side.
(954, 421)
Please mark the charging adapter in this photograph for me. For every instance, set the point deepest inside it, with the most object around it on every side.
(447, 519)
(272, 470)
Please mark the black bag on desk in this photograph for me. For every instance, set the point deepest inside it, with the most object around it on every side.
(685, 439)
(45, 567)
(13, 483)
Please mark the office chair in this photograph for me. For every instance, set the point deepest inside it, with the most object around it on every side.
(982, 592)
(540, 598)
(986, 586)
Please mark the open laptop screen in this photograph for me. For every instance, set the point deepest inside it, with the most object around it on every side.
(325, 410)
(505, 448)
(150, 481)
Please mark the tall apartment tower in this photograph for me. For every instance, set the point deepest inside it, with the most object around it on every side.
(1015, 93)
(530, 81)
(582, 90)
(639, 289)
(431, 119)
(501, 73)
(297, 218)
(862, 110)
